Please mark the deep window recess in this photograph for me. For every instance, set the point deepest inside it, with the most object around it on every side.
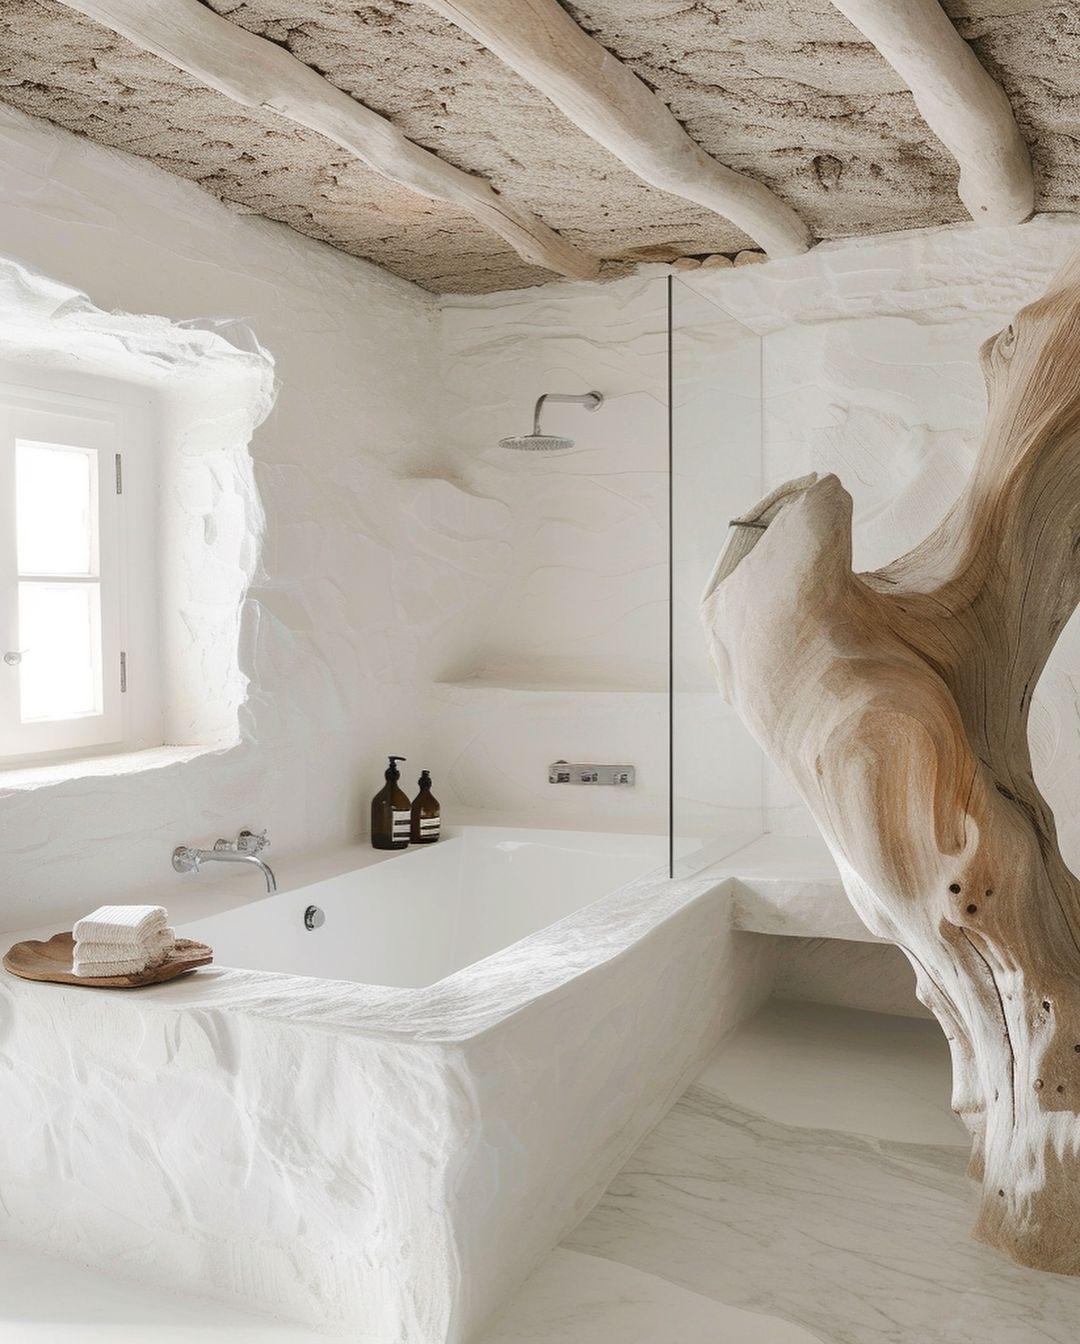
(73, 571)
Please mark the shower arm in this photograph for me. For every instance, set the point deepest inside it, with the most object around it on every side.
(592, 401)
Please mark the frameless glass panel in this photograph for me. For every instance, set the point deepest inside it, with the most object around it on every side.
(59, 640)
(716, 473)
(55, 508)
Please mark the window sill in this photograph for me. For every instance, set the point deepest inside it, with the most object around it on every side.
(28, 777)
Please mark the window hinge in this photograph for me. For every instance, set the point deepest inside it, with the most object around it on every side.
(123, 672)
(119, 474)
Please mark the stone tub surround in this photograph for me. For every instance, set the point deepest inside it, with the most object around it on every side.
(777, 1156)
(384, 1142)
(860, 1100)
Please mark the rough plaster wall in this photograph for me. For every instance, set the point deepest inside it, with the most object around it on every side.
(336, 623)
(564, 653)
(787, 92)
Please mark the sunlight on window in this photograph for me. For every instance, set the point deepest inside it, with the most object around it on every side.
(58, 629)
(55, 508)
(59, 622)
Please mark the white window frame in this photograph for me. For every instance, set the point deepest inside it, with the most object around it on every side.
(118, 425)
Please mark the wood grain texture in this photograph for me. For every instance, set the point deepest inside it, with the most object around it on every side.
(257, 73)
(898, 704)
(604, 97)
(52, 961)
(960, 101)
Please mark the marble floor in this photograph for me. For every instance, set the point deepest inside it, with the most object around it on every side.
(807, 1189)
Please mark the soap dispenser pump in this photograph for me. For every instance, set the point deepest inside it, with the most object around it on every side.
(390, 812)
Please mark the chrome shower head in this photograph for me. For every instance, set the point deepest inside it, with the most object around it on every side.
(550, 443)
(536, 443)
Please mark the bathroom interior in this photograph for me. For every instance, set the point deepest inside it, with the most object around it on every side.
(357, 504)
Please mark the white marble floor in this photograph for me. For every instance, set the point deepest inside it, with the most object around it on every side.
(808, 1189)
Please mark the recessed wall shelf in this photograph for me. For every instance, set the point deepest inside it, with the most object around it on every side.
(563, 676)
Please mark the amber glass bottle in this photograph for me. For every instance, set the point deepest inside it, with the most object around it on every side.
(426, 818)
(390, 812)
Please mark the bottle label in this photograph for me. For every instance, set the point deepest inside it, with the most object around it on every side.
(429, 828)
(400, 830)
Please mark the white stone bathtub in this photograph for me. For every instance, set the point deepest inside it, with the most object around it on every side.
(383, 1124)
(432, 910)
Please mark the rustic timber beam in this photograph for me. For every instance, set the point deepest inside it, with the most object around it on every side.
(258, 73)
(959, 100)
(604, 97)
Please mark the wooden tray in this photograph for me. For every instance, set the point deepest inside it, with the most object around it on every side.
(52, 962)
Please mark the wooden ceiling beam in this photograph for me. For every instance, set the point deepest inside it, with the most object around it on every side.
(602, 96)
(959, 100)
(257, 73)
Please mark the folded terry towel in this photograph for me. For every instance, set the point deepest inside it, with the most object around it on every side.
(127, 924)
(95, 950)
(94, 970)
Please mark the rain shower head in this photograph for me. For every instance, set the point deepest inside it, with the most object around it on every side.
(550, 443)
(536, 443)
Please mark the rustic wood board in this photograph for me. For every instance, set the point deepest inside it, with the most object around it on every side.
(52, 962)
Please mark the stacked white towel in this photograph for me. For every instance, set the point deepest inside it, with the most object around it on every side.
(122, 940)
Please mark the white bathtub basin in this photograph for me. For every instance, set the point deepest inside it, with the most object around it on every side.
(382, 1125)
(428, 912)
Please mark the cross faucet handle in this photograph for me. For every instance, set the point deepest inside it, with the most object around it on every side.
(252, 842)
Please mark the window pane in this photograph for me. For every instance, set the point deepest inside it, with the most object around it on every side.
(59, 635)
(55, 507)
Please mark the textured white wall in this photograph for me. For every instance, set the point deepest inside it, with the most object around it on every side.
(403, 551)
(343, 604)
(563, 653)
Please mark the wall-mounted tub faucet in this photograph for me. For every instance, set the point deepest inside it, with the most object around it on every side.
(246, 849)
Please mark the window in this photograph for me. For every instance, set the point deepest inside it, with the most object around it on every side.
(69, 569)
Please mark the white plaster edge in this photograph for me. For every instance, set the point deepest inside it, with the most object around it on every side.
(27, 778)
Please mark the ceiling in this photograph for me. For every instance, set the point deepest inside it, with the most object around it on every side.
(786, 91)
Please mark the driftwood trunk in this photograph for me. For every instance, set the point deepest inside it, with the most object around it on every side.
(898, 703)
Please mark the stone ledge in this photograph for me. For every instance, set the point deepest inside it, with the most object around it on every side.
(29, 777)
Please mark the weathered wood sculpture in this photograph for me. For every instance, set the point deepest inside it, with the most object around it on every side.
(898, 703)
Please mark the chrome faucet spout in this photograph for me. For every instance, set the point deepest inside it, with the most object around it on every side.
(186, 859)
(230, 856)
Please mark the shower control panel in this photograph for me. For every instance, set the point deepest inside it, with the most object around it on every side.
(562, 772)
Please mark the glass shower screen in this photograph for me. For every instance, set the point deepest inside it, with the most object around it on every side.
(716, 472)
